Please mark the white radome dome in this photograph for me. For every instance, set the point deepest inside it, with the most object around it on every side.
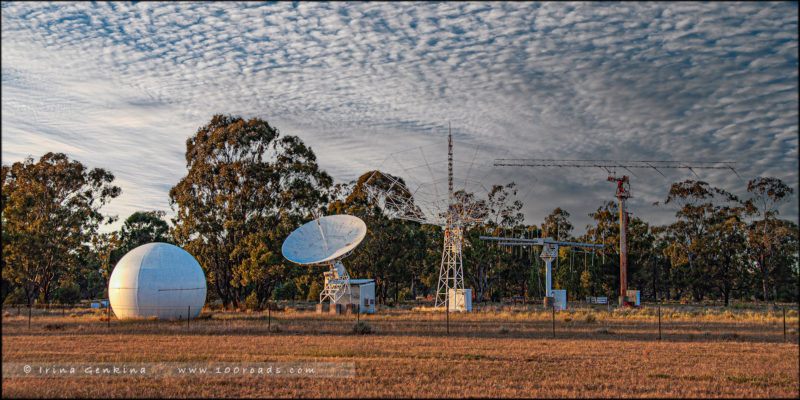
(157, 279)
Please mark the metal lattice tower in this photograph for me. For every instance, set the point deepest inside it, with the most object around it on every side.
(451, 270)
(623, 189)
(426, 203)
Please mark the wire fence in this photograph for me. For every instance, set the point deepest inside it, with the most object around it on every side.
(649, 322)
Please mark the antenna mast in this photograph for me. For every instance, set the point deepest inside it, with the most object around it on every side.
(450, 164)
(623, 190)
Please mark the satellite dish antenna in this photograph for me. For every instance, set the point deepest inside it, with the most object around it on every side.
(326, 241)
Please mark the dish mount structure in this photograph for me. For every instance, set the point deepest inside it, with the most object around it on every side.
(454, 211)
(326, 241)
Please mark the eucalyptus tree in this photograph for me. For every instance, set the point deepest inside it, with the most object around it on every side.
(766, 195)
(139, 228)
(557, 225)
(243, 178)
(725, 247)
(698, 205)
(50, 210)
(486, 263)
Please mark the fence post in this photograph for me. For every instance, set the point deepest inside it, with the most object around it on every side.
(269, 316)
(784, 324)
(659, 323)
(108, 314)
(29, 316)
(553, 308)
(447, 311)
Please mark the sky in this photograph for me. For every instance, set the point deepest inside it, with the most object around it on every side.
(121, 86)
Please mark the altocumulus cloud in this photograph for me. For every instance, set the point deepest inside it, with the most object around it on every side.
(121, 86)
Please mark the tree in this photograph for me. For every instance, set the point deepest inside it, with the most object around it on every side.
(697, 205)
(141, 227)
(766, 195)
(557, 225)
(50, 208)
(241, 173)
(725, 245)
(487, 264)
(605, 231)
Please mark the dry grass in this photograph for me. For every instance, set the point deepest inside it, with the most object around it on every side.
(494, 353)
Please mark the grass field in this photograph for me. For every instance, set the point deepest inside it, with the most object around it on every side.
(493, 352)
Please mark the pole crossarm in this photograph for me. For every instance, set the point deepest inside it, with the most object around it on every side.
(504, 241)
(551, 162)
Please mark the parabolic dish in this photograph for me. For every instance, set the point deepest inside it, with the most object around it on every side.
(324, 240)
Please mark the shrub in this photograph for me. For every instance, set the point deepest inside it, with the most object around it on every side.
(362, 328)
(286, 291)
(16, 297)
(590, 318)
(602, 330)
(314, 291)
(504, 330)
(404, 295)
(68, 294)
(251, 302)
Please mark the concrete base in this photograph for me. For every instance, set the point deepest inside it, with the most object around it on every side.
(351, 309)
(337, 309)
(548, 302)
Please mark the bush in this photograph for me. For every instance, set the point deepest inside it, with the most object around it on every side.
(68, 294)
(251, 302)
(286, 291)
(590, 318)
(504, 330)
(404, 295)
(314, 291)
(16, 297)
(602, 330)
(362, 328)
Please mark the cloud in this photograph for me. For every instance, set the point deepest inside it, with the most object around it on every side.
(113, 84)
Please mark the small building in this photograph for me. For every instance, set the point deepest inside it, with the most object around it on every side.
(460, 299)
(362, 293)
(634, 297)
(357, 292)
(559, 299)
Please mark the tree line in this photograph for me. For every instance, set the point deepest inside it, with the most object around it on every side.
(247, 187)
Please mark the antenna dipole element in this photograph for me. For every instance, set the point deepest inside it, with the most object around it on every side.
(449, 164)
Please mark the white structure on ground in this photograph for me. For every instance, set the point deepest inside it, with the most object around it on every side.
(157, 280)
(326, 241)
